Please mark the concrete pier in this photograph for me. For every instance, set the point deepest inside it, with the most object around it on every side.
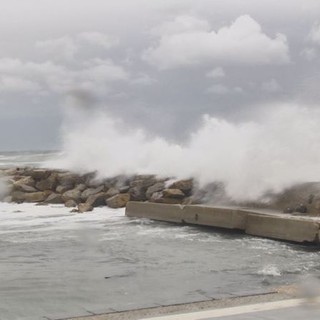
(267, 224)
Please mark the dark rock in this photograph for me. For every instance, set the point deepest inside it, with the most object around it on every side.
(74, 194)
(184, 185)
(25, 181)
(97, 200)
(38, 174)
(48, 183)
(138, 193)
(91, 191)
(54, 198)
(159, 186)
(19, 196)
(67, 179)
(301, 208)
(124, 189)
(63, 189)
(118, 201)
(84, 207)
(70, 203)
(111, 192)
(173, 193)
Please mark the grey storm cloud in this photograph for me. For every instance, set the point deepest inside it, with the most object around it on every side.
(159, 65)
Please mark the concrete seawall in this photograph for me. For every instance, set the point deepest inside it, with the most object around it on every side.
(260, 223)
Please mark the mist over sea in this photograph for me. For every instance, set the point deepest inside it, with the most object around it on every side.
(57, 264)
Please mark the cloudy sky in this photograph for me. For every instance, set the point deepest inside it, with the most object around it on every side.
(159, 65)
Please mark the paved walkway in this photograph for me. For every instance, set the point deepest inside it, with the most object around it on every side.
(294, 309)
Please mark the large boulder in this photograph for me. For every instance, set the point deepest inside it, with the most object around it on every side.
(73, 194)
(24, 181)
(112, 192)
(63, 189)
(84, 207)
(91, 191)
(158, 197)
(68, 179)
(48, 183)
(38, 174)
(54, 198)
(184, 185)
(118, 201)
(19, 196)
(173, 193)
(97, 200)
(70, 203)
(159, 186)
(138, 187)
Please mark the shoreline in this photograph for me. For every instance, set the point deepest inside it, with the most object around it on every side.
(278, 294)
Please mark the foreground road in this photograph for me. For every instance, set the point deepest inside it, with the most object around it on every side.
(294, 309)
(282, 304)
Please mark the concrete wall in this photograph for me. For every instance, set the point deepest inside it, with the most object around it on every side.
(155, 211)
(214, 217)
(290, 229)
(282, 227)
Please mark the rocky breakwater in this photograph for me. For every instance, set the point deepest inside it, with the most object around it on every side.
(83, 192)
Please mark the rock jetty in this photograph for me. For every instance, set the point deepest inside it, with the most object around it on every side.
(84, 192)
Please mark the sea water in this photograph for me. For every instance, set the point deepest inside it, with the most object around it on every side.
(57, 264)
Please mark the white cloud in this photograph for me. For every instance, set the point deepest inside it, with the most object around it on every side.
(182, 24)
(98, 39)
(67, 47)
(216, 73)
(96, 75)
(314, 35)
(14, 84)
(241, 43)
(143, 80)
(309, 53)
(219, 89)
(271, 86)
(63, 47)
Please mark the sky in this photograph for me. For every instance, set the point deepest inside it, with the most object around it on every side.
(157, 65)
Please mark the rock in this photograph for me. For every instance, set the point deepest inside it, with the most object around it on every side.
(68, 180)
(91, 191)
(138, 193)
(73, 194)
(48, 183)
(54, 198)
(63, 189)
(19, 196)
(97, 200)
(301, 208)
(81, 187)
(288, 210)
(111, 192)
(70, 204)
(26, 188)
(7, 199)
(118, 201)
(25, 181)
(38, 174)
(143, 181)
(84, 207)
(159, 186)
(173, 193)
(158, 197)
(184, 185)
(124, 189)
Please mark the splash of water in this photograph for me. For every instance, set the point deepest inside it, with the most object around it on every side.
(280, 148)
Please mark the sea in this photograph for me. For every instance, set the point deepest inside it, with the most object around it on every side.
(55, 264)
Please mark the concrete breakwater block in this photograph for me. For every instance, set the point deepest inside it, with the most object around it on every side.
(214, 217)
(268, 225)
(289, 229)
(155, 211)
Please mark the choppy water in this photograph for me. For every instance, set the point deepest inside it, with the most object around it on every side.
(54, 264)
